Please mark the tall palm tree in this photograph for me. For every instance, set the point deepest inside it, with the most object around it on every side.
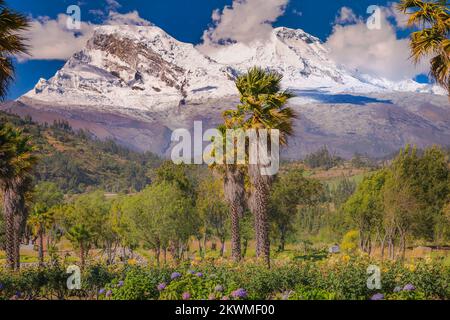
(11, 43)
(433, 19)
(263, 106)
(6, 173)
(233, 185)
(14, 187)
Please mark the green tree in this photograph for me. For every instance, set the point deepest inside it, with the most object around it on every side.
(164, 218)
(213, 210)
(427, 174)
(400, 206)
(263, 106)
(365, 208)
(81, 238)
(291, 192)
(46, 195)
(87, 224)
(432, 17)
(122, 224)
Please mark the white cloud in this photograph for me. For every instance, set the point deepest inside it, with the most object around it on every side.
(113, 5)
(346, 15)
(375, 52)
(51, 39)
(244, 21)
(401, 19)
(131, 18)
(297, 12)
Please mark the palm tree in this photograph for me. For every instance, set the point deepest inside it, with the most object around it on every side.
(80, 236)
(11, 43)
(15, 183)
(263, 106)
(6, 173)
(433, 18)
(233, 185)
(41, 220)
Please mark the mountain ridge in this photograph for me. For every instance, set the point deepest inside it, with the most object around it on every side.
(137, 84)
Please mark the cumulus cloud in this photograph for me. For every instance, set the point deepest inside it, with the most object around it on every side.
(401, 19)
(130, 18)
(50, 39)
(113, 5)
(377, 52)
(243, 21)
(346, 15)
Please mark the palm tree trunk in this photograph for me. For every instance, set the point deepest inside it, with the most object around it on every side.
(41, 248)
(13, 211)
(235, 196)
(9, 230)
(260, 203)
(235, 235)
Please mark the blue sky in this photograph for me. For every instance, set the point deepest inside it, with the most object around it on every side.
(185, 20)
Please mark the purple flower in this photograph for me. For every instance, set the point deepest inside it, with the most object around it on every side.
(186, 296)
(397, 289)
(101, 291)
(161, 286)
(109, 293)
(120, 284)
(377, 296)
(16, 296)
(225, 298)
(199, 274)
(218, 288)
(191, 272)
(175, 275)
(212, 296)
(409, 287)
(239, 293)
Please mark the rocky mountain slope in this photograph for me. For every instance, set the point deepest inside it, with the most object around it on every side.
(137, 84)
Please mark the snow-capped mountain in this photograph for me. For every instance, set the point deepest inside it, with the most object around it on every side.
(144, 68)
(137, 83)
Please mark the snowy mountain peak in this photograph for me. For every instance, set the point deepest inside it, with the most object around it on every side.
(143, 68)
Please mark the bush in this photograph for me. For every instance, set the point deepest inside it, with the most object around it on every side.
(308, 293)
(138, 283)
(350, 241)
(338, 277)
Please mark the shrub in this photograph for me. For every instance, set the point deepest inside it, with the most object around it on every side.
(138, 283)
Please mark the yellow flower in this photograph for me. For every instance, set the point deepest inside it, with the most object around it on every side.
(411, 267)
(346, 258)
(132, 262)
